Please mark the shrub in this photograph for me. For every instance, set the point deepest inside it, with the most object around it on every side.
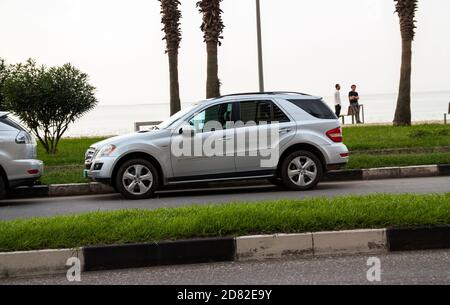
(48, 100)
(3, 75)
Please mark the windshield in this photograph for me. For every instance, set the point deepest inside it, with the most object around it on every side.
(167, 123)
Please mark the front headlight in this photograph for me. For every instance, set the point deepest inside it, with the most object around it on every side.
(106, 151)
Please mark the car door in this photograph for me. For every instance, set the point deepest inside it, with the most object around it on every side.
(266, 128)
(210, 129)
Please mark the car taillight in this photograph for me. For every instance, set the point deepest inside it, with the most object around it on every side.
(335, 134)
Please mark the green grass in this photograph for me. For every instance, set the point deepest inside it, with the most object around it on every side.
(71, 150)
(63, 174)
(380, 137)
(287, 216)
(372, 161)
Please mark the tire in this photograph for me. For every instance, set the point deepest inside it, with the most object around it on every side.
(137, 179)
(2, 188)
(304, 175)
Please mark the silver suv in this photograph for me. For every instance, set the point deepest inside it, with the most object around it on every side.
(18, 164)
(290, 138)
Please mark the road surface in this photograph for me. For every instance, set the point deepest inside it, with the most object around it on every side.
(426, 267)
(26, 208)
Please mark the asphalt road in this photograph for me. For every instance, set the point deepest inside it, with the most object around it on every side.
(26, 208)
(426, 267)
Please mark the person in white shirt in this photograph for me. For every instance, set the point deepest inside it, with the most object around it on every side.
(337, 100)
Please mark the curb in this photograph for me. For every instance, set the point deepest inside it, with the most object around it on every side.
(94, 188)
(158, 254)
(390, 173)
(32, 263)
(404, 239)
(244, 248)
(59, 190)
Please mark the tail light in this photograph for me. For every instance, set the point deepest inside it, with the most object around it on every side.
(335, 135)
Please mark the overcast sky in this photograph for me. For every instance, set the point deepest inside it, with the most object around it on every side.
(309, 45)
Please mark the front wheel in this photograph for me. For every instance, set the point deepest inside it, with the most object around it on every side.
(301, 170)
(137, 179)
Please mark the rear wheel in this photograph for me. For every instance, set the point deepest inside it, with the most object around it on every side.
(137, 179)
(301, 170)
(2, 188)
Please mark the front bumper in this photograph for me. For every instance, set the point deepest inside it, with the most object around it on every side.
(100, 169)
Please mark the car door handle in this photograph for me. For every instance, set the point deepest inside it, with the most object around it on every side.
(284, 130)
(225, 138)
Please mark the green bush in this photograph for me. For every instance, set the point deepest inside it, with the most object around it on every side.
(47, 100)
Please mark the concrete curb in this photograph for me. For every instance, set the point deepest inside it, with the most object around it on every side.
(157, 254)
(244, 248)
(31, 263)
(390, 173)
(93, 188)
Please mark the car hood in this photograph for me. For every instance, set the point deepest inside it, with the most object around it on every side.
(132, 137)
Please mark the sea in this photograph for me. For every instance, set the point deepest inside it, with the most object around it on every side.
(109, 120)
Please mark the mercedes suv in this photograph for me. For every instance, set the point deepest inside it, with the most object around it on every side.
(290, 138)
(18, 164)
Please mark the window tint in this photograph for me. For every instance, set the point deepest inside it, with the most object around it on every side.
(261, 111)
(316, 108)
(221, 113)
(278, 115)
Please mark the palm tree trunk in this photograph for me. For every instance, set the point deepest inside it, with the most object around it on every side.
(212, 79)
(174, 85)
(403, 110)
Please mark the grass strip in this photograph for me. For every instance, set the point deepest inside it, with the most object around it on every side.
(233, 219)
(361, 161)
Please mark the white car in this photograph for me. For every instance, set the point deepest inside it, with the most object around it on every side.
(18, 164)
(308, 143)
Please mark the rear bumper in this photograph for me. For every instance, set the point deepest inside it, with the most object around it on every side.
(337, 154)
(25, 169)
(25, 172)
(22, 182)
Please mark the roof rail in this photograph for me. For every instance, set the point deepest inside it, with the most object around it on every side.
(262, 93)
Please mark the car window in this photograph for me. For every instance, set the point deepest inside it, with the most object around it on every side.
(317, 108)
(11, 123)
(218, 115)
(279, 115)
(261, 111)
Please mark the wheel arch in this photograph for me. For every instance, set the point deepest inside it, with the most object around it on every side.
(302, 146)
(137, 155)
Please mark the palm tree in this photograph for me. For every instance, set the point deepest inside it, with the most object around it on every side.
(171, 15)
(406, 10)
(212, 27)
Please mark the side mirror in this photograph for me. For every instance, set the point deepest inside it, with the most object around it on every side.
(186, 131)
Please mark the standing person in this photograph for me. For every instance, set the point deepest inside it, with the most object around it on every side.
(353, 97)
(337, 100)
